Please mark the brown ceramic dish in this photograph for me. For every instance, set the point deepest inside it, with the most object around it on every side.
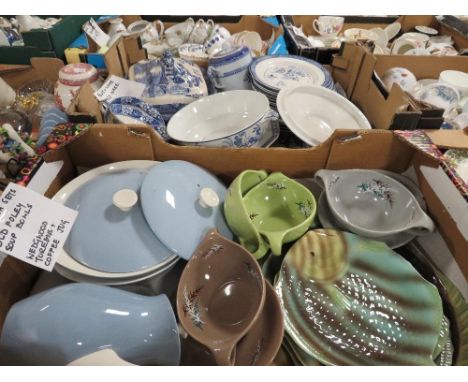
(220, 295)
(261, 344)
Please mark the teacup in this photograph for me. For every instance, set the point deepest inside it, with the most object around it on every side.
(328, 26)
(146, 30)
(142, 330)
(409, 41)
(281, 209)
(201, 31)
(116, 26)
(440, 95)
(400, 76)
(229, 70)
(221, 294)
(217, 39)
(442, 49)
(253, 40)
(181, 30)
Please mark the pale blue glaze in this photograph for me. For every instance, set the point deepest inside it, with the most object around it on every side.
(170, 199)
(62, 324)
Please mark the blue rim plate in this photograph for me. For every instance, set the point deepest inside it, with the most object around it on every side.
(253, 68)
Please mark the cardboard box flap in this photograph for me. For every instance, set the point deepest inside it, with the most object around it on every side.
(449, 139)
(346, 66)
(41, 68)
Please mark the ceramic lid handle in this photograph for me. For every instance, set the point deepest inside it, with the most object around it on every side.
(208, 198)
(125, 199)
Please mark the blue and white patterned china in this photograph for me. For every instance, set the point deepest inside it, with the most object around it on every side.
(229, 69)
(9, 37)
(62, 324)
(218, 37)
(372, 204)
(131, 110)
(169, 82)
(108, 222)
(440, 95)
(276, 72)
(238, 118)
(181, 203)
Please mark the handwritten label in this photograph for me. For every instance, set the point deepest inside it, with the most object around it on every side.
(94, 32)
(32, 227)
(115, 87)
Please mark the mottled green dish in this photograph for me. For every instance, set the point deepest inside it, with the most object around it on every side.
(353, 301)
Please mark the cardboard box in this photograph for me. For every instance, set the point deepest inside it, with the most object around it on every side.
(396, 109)
(325, 55)
(44, 42)
(134, 52)
(103, 144)
(446, 26)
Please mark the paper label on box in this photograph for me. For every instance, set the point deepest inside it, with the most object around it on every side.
(94, 31)
(33, 228)
(115, 87)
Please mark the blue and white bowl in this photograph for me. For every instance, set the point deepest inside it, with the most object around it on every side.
(131, 110)
(238, 118)
(440, 95)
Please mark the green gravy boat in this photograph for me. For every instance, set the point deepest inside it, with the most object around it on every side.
(267, 211)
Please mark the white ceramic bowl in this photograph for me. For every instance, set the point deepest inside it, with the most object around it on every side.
(372, 204)
(312, 113)
(216, 117)
(457, 79)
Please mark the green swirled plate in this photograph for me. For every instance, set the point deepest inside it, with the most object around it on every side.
(353, 301)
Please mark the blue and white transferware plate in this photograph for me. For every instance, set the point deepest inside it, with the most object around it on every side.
(131, 110)
(181, 203)
(276, 72)
(439, 95)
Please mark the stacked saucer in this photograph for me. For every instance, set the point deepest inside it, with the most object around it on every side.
(269, 74)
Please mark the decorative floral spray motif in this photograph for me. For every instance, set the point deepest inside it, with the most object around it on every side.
(192, 307)
(215, 248)
(276, 185)
(253, 215)
(286, 73)
(305, 208)
(379, 189)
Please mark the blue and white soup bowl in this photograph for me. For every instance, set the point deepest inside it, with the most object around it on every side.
(237, 118)
(229, 70)
(131, 110)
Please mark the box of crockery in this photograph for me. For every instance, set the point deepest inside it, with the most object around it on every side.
(344, 149)
(394, 108)
(104, 144)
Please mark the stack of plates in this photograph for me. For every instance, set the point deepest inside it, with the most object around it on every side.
(269, 74)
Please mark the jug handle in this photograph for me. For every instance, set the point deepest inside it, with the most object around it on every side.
(211, 72)
(276, 242)
(423, 225)
(225, 356)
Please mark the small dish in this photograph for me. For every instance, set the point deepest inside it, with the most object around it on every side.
(426, 30)
(281, 210)
(221, 294)
(390, 208)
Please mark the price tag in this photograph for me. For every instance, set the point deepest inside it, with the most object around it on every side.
(94, 31)
(33, 228)
(115, 87)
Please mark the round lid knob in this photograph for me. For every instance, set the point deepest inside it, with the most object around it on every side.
(209, 198)
(125, 199)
